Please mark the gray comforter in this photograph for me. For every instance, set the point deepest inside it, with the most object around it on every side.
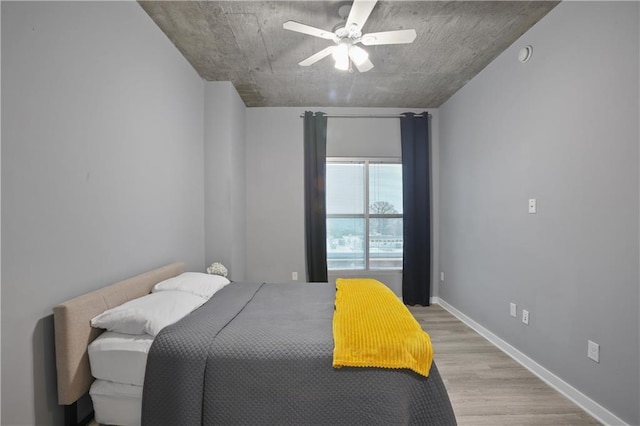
(261, 354)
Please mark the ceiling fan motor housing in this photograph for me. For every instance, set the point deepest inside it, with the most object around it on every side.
(353, 32)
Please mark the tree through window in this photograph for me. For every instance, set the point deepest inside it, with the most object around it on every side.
(364, 214)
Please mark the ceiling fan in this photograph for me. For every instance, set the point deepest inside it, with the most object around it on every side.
(346, 37)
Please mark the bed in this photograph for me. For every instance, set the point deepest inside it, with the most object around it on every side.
(255, 353)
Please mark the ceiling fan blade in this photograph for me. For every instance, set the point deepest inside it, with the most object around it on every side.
(307, 29)
(316, 57)
(389, 37)
(360, 59)
(360, 11)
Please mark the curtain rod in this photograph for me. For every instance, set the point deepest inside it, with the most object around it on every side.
(368, 116)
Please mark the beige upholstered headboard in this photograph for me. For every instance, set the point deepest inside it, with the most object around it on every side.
(73, 331)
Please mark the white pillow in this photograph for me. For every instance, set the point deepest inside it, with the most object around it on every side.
(203, 285)
(148, 314)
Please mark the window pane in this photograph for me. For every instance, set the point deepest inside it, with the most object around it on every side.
(345, 243)
(385, 188)
(385, 243)
(345, 188)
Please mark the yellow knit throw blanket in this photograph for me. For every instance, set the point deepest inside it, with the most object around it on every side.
(372, 328)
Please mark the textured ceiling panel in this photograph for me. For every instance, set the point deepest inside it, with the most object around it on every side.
(244, 42)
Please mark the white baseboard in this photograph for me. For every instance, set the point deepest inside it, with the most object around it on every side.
(587, 404)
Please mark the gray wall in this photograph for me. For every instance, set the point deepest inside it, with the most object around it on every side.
(562, 128)
(275, 192)
(0, 220)
(102, 172)
(225, 201)
(0, 210)
(274, 223)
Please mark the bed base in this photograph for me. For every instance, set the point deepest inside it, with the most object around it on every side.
(71, 416)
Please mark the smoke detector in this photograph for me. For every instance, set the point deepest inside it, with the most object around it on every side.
(525, 54)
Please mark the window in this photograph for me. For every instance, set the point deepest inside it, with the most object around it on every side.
(364, 214)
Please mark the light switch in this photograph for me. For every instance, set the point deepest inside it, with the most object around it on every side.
(593, 351)
(533, 205)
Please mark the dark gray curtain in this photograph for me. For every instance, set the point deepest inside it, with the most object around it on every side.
(315, 209)
(416, 272)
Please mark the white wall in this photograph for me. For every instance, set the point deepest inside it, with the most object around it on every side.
(225, 201)
(562, 128)
(102, 172)
(275, 188)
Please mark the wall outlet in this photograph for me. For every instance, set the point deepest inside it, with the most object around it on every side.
(593, 351)
(442, 276)
(514, 310)
(525, 316)
(533, 206)
(294, 276)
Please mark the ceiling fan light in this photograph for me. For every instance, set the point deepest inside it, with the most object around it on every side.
(342, 65)
(358, 55)
(341, 56)
(341, 51)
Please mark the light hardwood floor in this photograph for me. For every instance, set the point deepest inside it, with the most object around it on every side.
(485, 385)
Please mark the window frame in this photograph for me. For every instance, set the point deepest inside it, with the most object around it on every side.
(366, 216)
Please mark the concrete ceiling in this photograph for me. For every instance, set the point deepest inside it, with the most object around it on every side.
(244, 42)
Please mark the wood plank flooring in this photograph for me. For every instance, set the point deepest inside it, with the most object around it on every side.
(485, 385)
